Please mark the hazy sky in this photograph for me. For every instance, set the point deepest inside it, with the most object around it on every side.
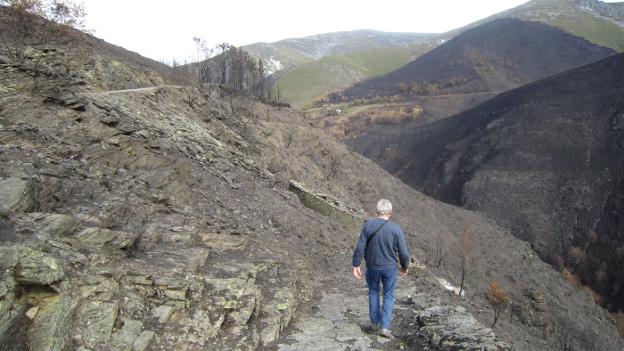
(163, 30)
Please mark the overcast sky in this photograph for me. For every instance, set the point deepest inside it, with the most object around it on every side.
(163, 30)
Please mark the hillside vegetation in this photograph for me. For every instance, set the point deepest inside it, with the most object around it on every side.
(305, 83)
(311, 67)
(137, 217)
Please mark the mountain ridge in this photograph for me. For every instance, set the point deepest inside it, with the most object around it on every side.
(461, 73)
(495, 56)
(316, 46)
(566, 15)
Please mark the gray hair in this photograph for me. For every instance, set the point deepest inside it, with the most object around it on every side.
(384, 207)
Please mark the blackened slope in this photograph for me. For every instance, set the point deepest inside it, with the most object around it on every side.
(545, 159)
(495, 56)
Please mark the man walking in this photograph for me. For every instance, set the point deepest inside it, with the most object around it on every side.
(379, 242)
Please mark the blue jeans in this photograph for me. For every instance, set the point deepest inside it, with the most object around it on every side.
(388, 279)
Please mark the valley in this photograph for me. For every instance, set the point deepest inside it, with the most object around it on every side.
(149, 207)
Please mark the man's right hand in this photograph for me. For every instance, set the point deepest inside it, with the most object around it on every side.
(357, 272)
(404, 272)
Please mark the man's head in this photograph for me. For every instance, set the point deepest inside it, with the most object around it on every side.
(384, 208)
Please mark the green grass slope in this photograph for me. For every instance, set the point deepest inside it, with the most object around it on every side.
(304, 83)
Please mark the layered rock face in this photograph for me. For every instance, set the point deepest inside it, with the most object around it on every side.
(119, 273)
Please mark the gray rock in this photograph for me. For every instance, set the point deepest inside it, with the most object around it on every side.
(96, 320)
(453, 328)
(189, 259)
(162, 313)
(201, 328)
(56, 224)
(10, 311)
(98, 237)
(36, 268)
(143, 341)
(326, 205)
(100, 288)
(17, 194)
(51, 324)
(124, 338)
(110, 120)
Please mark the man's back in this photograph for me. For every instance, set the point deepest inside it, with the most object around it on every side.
(379, 245)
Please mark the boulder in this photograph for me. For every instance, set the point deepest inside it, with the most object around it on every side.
(99, 237)
(55, 224)
(327, 205)
(37, 268)
(17, 194)
(51, 324)
(96, 320)
(68, 100)
(453, 328)
(10, 310)
(124, 338)
(162, 313)
(202, 326)
(143, 341)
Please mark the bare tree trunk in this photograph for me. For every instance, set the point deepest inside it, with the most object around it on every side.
(463, 276)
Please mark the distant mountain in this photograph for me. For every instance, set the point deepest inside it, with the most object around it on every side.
(314, 66)
(318, 65)
(599, 22)
(303, 84)
(295, 51)
(546, 160)
(496, 56)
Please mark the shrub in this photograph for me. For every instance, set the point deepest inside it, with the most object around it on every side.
(575, 255)
(498, 299)
(571, 278)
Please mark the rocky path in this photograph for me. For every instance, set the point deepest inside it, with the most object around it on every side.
(423, 319)
(338, 320)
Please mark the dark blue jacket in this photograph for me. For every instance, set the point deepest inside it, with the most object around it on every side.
(381, 251)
